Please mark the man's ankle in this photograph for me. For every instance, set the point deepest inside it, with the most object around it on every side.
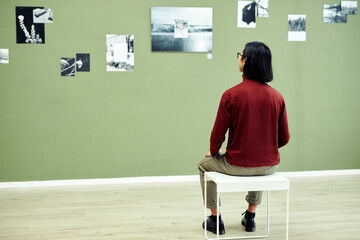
(213, 218)
(249, 214)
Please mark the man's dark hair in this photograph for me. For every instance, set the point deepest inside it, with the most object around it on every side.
(258, 63)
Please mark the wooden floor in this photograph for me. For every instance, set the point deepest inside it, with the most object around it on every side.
(320, 208)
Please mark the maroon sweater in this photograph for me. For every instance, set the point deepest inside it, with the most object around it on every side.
(255, 115)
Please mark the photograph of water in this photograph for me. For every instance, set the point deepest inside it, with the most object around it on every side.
(4, 55)
(181, 29)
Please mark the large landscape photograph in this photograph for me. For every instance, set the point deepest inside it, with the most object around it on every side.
(181, 29)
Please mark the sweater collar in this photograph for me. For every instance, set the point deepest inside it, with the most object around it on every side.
(245, 79)
(249, 80)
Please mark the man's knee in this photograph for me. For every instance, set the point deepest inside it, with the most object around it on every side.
(201, 166)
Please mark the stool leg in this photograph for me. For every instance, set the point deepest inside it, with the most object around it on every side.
(205, 202)
(287, 215)
(217, 217)
(268, 213)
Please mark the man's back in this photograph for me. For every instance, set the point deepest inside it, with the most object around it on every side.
(256, 117)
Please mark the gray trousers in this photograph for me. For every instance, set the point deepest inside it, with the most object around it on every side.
(219, 164)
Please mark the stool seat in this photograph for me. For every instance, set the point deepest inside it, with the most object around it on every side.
(227, 183)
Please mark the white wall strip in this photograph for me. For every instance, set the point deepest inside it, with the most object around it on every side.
(159, 179)
(101, 181)
(323, 173)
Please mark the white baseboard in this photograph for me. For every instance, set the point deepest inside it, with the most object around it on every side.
(322, 173)
(159, 179)
(100, 181)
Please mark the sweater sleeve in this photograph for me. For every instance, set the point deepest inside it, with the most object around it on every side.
(283, 129)
(222, 123)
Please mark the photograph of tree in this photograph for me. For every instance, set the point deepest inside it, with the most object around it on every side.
(296, 28)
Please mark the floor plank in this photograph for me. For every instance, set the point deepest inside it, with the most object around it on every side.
(320, 208)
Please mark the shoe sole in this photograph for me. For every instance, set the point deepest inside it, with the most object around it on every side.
(248, 229)
(214, 230)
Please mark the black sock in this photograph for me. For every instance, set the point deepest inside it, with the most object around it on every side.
(249, 215)
(213, 218)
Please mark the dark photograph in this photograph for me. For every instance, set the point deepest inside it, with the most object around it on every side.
(26, 30)
(82, 62)
(246, 14)
(68, 67)
(181, 29)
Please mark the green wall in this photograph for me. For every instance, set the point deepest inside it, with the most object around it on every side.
(157, 120)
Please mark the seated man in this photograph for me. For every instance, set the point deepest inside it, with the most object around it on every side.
(255, 115)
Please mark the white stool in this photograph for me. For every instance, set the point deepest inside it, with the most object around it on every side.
(226, 183)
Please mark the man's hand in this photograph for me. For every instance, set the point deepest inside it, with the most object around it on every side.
(209, 153)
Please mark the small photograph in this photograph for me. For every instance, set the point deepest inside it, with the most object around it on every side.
(26, 30)
(4, 55)
(296, 28)
(41, 15)
(119, 52)
(68, 67)
(262, 8)
(332, 14)
(181, 29)
(82, 62)
(349, 7)
(246, 14)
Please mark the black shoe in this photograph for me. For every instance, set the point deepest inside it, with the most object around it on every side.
(248, 221)
(211, 225)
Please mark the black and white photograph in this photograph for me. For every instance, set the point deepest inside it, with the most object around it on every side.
(333, 14)
(4, 55)
(41, 15)
(262, 7)
(296, 28)
(349, 7)
(246, 14)
(68, 67)
(82, 62)
(181, 29)
(26, 30)
(119, 52)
